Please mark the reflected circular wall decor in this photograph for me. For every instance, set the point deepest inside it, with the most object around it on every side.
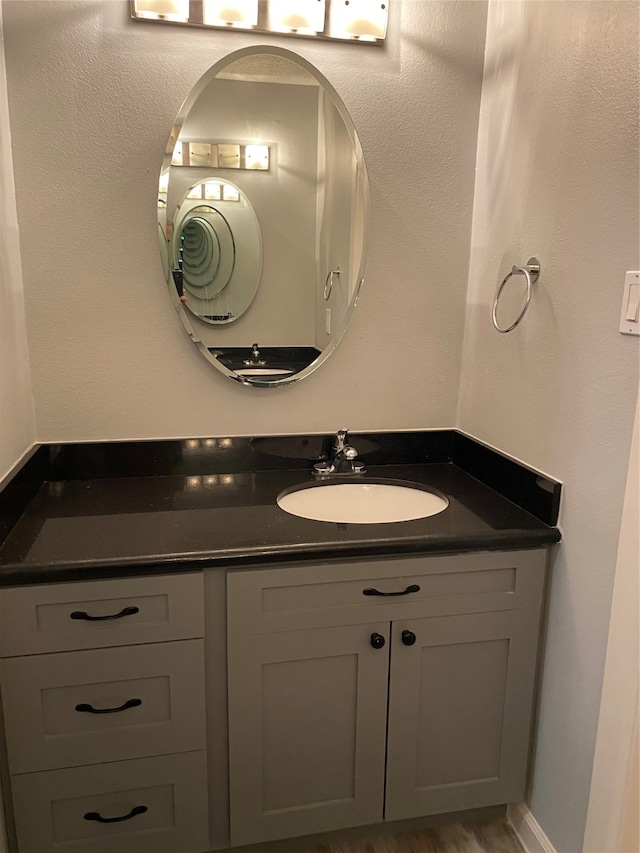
(263, 195)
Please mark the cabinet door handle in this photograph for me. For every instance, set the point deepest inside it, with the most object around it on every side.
(377, 641)
(408, 638)
(80, 614)
(411, 588)
(134, 811)
(89, 709)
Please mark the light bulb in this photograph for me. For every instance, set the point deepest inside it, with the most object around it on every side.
(361, 19)
(233, 13)
(301, 16)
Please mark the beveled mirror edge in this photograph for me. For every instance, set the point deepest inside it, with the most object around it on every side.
(340, 106)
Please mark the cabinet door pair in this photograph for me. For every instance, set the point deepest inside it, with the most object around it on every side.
(347, 726)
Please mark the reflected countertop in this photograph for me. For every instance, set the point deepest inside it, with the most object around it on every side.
(110, 527)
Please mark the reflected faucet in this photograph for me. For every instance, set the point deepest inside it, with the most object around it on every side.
(342, 458)
(255, 356)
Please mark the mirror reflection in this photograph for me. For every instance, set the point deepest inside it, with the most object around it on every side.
(217, 252)
(272, 261)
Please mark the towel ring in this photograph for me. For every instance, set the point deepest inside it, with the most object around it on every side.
(531, 271)
(328, 284)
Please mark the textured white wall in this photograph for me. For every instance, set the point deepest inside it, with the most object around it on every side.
(93, 96)
(17, 422)
(558, 178)
(612, 819)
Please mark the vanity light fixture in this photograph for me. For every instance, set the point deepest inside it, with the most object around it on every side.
(299, 17)
(358, 21)
(242, 14)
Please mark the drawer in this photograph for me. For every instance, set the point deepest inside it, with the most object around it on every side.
(151, 698)
(312, 596)
(152, 805)
(94, 614)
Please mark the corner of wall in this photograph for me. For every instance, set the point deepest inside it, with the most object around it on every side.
(17, 413)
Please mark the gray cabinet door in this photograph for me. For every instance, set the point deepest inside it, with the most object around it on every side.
(307, 719)
(460, 700)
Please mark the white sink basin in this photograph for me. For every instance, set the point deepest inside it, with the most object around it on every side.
(263, 371)
(362, 502)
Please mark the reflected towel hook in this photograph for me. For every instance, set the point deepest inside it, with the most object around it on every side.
(328, 284)
(531, 271)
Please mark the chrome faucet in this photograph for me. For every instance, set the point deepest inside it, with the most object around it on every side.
(255, 356)
(342, 458)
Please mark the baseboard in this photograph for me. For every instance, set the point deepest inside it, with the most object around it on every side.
(531, 834)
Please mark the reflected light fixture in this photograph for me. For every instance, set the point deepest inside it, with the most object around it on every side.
(256, 156)
(305, 17)
(230, 193)
(199, 154)
(166, 10)
(220, 155)
(212, 192)
(176, 157)
(364, 20)
(231, 13)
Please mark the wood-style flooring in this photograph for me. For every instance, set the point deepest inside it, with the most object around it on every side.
(494, 837)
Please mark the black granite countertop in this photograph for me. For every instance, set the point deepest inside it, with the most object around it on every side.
(74, 529)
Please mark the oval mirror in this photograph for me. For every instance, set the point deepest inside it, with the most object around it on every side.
(263, 213)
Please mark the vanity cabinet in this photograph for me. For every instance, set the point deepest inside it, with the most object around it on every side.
(384, 689)
(104, 711)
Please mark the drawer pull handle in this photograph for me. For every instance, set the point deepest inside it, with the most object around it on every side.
(97, 816)
(408, 638)
(89, 709)
(411, 588)
(80, 614)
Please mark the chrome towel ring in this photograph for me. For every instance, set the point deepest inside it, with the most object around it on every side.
(531, 271)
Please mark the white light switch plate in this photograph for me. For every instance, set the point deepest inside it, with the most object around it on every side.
(630, 314)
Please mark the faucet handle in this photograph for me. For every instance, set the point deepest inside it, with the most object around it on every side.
(340, 439)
